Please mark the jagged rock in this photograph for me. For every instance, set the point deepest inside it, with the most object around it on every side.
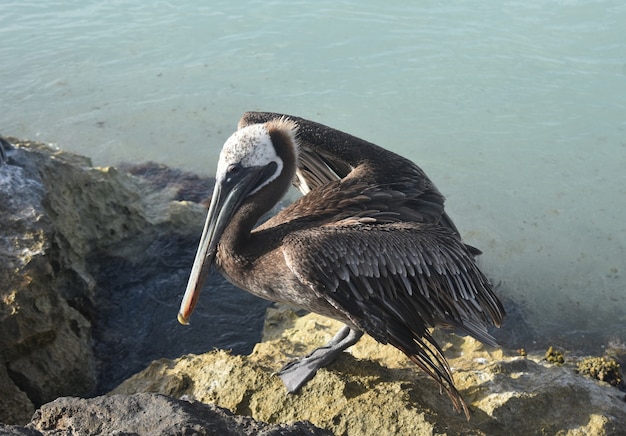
(44, 343)
(376, 390)
(15, 430)
(150, 415)
(15, 405)
(60, 216)
(92, 265)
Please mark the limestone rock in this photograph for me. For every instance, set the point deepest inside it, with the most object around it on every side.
(60, 220)
(44, 343)
(376, 390)
(92, 266)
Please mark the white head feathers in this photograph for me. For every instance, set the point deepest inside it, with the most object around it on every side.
(252, 146)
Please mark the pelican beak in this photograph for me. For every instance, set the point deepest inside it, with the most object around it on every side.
(228, 195)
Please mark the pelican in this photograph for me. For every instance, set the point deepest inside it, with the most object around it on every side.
(368, 244)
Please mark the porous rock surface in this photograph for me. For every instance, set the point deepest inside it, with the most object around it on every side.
(44, 342)
(61, 219)
(151, 414)
(374, 389)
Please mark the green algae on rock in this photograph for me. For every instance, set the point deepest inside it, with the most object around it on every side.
(601, 368)
(554, 356)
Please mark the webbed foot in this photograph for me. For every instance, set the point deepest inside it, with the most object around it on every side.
(296, 373)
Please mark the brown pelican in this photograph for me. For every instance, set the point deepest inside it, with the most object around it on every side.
(369, 244)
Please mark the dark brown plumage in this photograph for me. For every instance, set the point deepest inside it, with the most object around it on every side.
(369, 244)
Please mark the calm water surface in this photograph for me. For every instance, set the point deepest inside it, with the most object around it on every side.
(517, 110)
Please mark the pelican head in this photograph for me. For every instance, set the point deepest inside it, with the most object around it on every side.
(249, 161)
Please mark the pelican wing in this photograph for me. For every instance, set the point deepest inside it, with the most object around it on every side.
(314, 170)
(396, 280)
(327, 155)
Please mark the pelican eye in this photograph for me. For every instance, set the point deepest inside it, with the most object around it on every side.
(233, 169)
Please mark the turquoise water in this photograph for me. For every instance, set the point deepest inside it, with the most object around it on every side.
(517, 111)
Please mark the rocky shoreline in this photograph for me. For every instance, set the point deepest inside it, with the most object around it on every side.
(65, 224)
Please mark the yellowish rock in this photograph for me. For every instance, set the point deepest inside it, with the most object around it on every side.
(375, 390)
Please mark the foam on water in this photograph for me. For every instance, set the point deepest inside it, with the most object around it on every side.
(517, 111)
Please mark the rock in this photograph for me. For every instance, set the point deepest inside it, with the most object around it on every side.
(15, 430)
(376, 390)
(99, 256)
(93, 262)
(15, 406)
(148, 414)
(3, 154)
(44, 343)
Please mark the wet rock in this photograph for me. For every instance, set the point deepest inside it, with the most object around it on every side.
(186, 186)
(375, 390)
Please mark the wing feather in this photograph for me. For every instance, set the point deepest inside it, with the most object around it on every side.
(328, 155)
(379, 246)
(395, 281)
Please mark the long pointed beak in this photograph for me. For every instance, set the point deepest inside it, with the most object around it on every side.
(205, 254)
(227, 197)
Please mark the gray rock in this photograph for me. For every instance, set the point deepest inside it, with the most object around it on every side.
(15, 430)
(15, 406)
(4, 146)
(150, 414)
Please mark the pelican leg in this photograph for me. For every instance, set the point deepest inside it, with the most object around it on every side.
(295, 374)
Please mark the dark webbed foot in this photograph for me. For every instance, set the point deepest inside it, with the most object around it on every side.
(295, 374)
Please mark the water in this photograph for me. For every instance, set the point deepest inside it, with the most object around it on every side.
(517, 110)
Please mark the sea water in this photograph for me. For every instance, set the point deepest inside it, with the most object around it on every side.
(516, 110)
